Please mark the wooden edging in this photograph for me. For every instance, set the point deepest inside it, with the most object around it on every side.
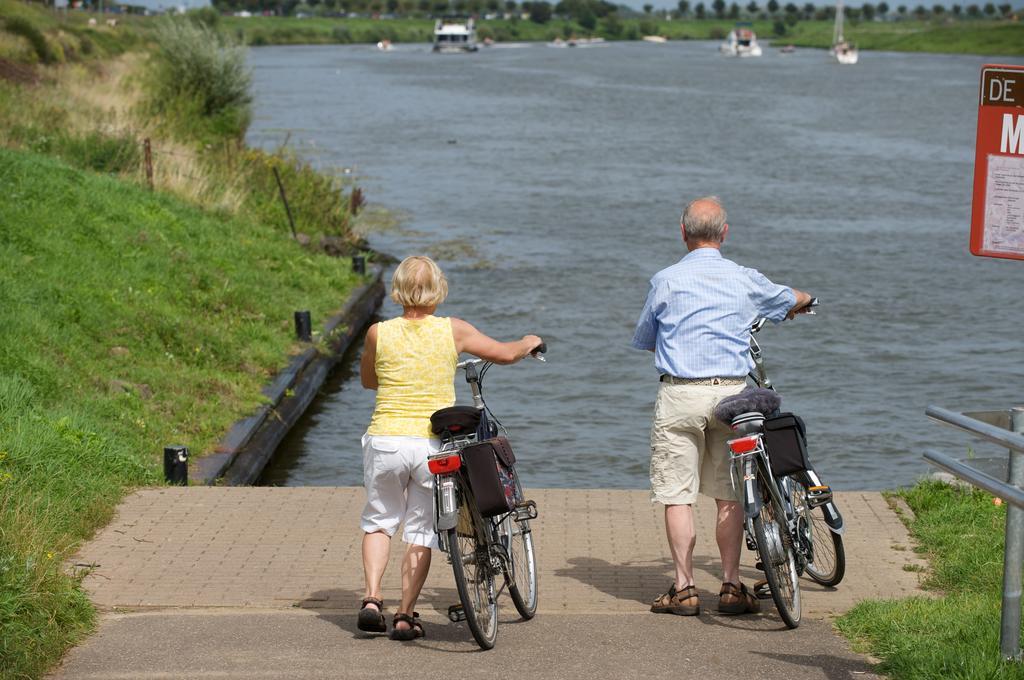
(249, 445)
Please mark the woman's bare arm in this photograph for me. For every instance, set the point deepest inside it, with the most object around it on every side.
(469, 339)
(367, 370)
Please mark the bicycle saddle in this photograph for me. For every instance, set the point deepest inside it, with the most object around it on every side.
(750, 400)
(455, 419)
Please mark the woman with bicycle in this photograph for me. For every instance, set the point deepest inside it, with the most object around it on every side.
(410, 362)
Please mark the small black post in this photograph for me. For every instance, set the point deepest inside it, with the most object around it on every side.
(359, 264)
(176, 465)
(303, 326)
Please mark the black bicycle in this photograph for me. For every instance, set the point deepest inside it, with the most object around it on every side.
(481, 516)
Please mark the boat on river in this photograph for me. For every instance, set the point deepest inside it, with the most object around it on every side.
(455, 36)
(741, 42)
(842, 51)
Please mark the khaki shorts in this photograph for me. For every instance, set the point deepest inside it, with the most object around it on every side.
(689, 453)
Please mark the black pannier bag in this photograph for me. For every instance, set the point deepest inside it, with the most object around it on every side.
(785, 438)
(489, 465)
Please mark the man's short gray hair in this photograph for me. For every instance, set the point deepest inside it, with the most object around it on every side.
(703, 224)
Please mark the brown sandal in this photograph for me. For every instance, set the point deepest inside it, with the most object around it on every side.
(372, 620)
(415, 629)
(733, 599)
(681, 603)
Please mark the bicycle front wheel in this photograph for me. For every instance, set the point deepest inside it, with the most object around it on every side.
(778, 558)
(827, 565)
(471, 565)
(521, 570)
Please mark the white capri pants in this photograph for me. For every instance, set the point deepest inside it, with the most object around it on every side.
(399, 488)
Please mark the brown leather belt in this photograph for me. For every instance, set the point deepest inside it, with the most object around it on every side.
(672, 380)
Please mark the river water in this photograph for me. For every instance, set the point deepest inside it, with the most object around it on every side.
(550, 181)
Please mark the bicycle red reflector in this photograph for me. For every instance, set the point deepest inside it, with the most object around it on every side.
(444, 464)
(744, 444)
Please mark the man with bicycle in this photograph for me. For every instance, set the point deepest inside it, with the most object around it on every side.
(697, 322)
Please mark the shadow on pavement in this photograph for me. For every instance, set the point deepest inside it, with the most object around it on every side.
(338, 606)
(620, 580)
(834, 667)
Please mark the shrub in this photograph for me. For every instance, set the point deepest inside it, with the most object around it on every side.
(207, 16)
(27, 30)
(612, 26)
(199, 75)
(94, 151)
(101, 153)
(317, 201)
(342, 35)
(716, 33)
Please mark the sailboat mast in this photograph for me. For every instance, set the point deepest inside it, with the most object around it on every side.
(837, 33)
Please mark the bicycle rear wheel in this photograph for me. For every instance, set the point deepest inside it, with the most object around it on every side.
(778, 558)
(471, 566)
(521, 570)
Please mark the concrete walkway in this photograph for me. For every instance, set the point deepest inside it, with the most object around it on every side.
(263, 582)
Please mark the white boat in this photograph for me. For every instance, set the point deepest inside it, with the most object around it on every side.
(741, 42)
(658, 39)
(842, 51)
(576, 42)
(384, 45)
(455, 36)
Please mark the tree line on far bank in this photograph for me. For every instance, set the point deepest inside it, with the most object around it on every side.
(587, 12)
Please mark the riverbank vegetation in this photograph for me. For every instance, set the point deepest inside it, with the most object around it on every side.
(137, 313)
(972, 28)
(954, 634)
(994, 37)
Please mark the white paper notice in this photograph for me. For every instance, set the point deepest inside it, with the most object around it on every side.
(1004, 205)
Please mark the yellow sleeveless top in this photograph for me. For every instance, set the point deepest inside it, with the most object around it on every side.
(415, 375)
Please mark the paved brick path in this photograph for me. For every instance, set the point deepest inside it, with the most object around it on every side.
(243, 583)
(599, 551)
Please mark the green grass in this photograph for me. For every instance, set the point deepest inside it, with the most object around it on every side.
(130, 321)
(956, 634)
(966, 37)
(974, 37)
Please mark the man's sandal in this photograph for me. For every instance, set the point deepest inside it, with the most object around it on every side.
(733, 599)
(681, 603)
(415, 629)
(372, 620)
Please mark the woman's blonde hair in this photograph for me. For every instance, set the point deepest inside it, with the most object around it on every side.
(418, 282)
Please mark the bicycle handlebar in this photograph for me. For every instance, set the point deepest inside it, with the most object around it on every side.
(810, 306)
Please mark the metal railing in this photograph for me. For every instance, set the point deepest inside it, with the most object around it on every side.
(1012, 493)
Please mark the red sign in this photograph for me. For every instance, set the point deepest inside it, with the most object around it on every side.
(997, 214)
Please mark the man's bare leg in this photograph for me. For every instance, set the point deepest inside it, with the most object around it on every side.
(682, 537)
(376, 550)
(729, 534)
(415, 567)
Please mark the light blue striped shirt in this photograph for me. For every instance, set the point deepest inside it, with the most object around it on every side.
(698, 315)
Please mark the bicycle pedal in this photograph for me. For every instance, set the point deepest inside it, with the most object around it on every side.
(819, 495)
(762, 591)
(525, 510)
(456, 613)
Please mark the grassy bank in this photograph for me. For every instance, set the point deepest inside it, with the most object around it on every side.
(955, 634)
(966, 37)
(133, 316)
